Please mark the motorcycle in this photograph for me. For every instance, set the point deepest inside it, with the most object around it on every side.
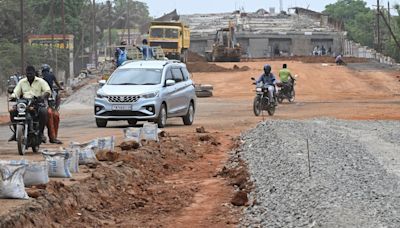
(27, 125)
(286, 90)
(262, 100)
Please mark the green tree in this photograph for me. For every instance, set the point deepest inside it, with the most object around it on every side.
(357, 18)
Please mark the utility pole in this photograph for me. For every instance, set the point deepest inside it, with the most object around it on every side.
(63, 23)
(109, 27)
(389, 12)
(22, 37)
(390, 29)
(52, 25)
(378, 27)
(129, 26)
(94, 48)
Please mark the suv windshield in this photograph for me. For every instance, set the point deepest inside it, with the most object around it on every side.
(135, 76)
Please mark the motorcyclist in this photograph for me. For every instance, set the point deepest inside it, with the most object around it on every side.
(53, 115)
(269, 81)
(31, 87)
(285, 75)
(339, 60)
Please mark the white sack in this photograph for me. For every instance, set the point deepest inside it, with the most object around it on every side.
(12, 182)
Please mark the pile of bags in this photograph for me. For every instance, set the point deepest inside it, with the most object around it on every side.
(15, 175)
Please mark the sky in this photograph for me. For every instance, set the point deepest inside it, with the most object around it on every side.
(159, 7)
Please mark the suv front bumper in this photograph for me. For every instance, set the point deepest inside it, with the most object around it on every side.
(142, 109)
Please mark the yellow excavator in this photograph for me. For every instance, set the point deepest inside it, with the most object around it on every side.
(225, 47)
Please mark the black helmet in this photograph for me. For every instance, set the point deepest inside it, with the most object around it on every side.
(45, 67)
(144, 41)
(267, 69)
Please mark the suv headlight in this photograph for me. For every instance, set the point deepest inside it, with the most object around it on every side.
(150, 95)
(21, 107)
(99, 95)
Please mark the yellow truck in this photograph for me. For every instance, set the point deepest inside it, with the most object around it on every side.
(173, 37)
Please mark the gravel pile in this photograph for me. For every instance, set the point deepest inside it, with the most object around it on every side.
(355, 168)
(83, 97)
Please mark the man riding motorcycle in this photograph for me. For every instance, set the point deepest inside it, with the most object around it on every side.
(284, 74)
(286, 78)
(30, 87)
(53, 115)
(269, 81)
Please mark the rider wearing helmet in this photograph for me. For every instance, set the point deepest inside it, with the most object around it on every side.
(53, 120)
(269, 81)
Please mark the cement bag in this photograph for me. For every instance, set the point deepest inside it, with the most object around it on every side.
(35, 172)
(149, 132)
(74, 160)
(58, 163)
(12, 182)
(132, 134)
(86, 152)
(105, 144)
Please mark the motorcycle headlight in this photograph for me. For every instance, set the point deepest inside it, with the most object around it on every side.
(259, 89)
(21, 107)
(150, 95)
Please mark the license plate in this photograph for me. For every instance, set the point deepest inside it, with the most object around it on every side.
(122, 107)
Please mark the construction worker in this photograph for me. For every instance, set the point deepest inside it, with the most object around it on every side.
(146, 50)
(121, 54)
(53, 121)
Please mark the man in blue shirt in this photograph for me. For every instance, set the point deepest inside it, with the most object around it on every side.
(146, 50)
(269, 81)
(121, 54)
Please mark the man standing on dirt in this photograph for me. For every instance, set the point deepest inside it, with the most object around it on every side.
(53, 121)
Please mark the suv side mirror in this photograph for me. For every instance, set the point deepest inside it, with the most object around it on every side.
(102, 82)
(169, 82)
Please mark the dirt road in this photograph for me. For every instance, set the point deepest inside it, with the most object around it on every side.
(322, 90)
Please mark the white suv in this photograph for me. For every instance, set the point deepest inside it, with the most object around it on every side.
(146, 90)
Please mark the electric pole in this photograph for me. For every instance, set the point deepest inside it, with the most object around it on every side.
(52, 25)
(63, 23)
(129, 26)
(109, 27)
(22, 37)
(378, 27)
(94, 48)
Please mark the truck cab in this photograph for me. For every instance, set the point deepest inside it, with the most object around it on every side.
(172, 37)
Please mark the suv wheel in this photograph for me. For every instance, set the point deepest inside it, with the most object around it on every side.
(162, 117)
(101, 122)
(188, 118)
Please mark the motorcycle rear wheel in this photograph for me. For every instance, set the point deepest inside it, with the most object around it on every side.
(293, 96)
(21, 139)
(271, 110)
(257, 106)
